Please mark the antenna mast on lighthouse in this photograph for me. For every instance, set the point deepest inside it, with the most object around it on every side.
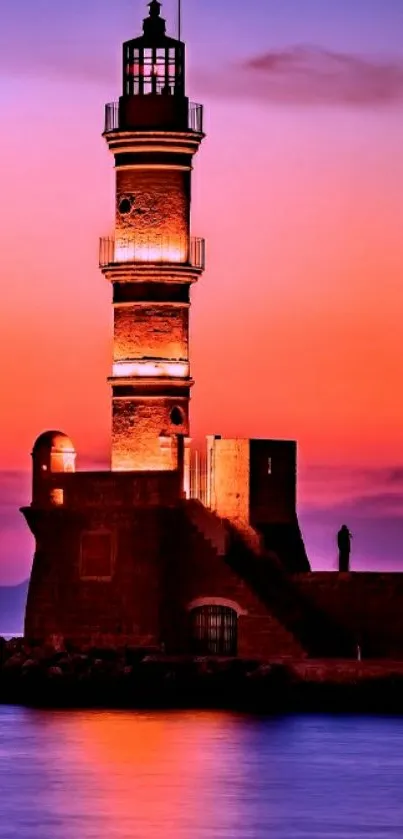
(179, 19)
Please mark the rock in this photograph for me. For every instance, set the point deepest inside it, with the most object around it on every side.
(80, 663)
(103, 653)
(14, 646)
(29, 664)
(15, 662)
(98, 666)
(57, 642)
(202, 667)
(54, 672)
(65, 663)
(30, 669)
(170, 676)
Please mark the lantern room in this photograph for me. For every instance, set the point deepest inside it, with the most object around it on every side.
(153, 96)
(154, 63)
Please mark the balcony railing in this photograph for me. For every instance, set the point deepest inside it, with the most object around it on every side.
(111, 117)
(155, 250)
(195, 117)
(194, 122)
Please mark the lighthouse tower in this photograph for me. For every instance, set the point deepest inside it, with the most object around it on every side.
(152, 260)
(120, 555)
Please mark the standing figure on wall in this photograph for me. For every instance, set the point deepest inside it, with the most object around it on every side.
(344, 545)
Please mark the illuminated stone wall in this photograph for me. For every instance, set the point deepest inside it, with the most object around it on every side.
(144, 434)
(155, 204)
(253, 480)
(230, 479)
(151, 327)
(148, 331)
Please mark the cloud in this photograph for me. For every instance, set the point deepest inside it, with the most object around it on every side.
(311, 76)
(305, 75)
(330, 486)
(368, 506)
(395, 476)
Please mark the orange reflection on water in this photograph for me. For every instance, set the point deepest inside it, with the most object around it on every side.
(150, 775)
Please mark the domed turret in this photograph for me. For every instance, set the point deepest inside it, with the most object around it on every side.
(53, 452)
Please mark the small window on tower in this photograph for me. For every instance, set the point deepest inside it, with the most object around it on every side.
(125, 206)
(57, 497)
(177, 416)
(269, 466)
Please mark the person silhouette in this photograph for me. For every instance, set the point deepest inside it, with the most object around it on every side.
(344, 545)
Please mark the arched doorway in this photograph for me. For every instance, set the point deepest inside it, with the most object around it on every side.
(213, 630)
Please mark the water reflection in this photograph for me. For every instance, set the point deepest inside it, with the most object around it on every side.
(100, 775)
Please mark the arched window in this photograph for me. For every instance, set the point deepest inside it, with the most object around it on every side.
(213, 630)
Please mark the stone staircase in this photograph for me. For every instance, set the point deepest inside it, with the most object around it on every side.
(212, 535)
(210, 526)
(317, 633)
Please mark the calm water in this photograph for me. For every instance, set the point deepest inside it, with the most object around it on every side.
(197, 775)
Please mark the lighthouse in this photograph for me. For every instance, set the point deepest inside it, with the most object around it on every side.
(152, 260)
(138, 554)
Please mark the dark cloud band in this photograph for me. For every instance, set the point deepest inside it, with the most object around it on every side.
(311, 76)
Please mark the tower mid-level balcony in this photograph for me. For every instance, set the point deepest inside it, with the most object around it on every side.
(155, 113)
(155, 250)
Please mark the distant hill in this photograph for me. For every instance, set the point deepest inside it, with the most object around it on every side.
(12, 607)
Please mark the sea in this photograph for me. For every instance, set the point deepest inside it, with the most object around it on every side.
(198, 775)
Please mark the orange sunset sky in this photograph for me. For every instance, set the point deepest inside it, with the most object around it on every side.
(298, 190)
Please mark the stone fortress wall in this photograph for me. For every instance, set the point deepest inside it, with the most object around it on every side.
(367, 605)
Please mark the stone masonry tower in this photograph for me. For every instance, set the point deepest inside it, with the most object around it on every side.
(152, 260)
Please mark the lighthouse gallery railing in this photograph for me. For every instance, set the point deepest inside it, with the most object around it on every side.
(195, 117)
(156, 249)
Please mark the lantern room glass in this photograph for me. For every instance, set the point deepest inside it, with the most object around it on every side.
(154, 70)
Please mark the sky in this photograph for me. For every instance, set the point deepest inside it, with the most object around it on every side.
(296, 324)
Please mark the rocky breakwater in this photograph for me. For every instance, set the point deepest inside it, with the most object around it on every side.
(65, 675)
(113, 676)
